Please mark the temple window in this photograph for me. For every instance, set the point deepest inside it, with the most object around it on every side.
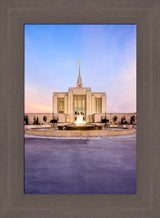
(60, 105)
(98, 102)
(79, 105)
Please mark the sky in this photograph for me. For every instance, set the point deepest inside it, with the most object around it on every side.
(107, 55)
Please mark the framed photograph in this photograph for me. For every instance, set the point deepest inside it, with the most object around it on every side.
(81, 140)
(40, 176)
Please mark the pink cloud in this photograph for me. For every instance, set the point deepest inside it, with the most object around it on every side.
(37, 101)
(122, 93)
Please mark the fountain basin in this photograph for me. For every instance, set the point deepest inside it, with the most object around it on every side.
(79, 127)
(79, 133)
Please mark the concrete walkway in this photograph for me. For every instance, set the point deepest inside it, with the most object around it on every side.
(80, 165)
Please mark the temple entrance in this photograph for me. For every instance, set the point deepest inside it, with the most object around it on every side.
(80, 106)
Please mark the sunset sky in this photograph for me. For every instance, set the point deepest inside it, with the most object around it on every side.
(108, 63)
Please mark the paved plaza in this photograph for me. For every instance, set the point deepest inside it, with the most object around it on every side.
(80, 165)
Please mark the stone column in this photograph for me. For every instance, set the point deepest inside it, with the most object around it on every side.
(70, 105)
(104, 104)
(88, 105)
(66, 104)
(54, 103)
(69, 97)
(93, 104)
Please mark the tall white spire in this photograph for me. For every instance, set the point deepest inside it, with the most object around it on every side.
(79, 80)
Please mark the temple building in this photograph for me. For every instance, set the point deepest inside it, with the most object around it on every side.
(79, 100)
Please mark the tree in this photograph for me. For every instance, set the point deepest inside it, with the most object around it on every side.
(26, 119)
(37, 121)
(54, 120)
(115, 119)
(125, 122)
(34, 121)
(132, 119)
(105, 120)
(123, 119)
(44, 118)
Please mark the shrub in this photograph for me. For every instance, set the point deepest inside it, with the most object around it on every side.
(132, 119)
(44, 118)
(104, 120)
(26, 119)
(37, 121)
(125, 122)
(34, 121)
(123, 119)
(115, 119)
(54, 121)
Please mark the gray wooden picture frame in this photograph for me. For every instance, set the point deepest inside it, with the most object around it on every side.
(13, 15)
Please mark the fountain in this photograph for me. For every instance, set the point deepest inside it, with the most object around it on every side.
(80, 121)
(79, 124)
(78, 129)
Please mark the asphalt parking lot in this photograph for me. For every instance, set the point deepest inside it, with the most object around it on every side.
(80, 165)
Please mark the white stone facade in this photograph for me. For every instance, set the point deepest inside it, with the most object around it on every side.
(79, 99)
(89, 100)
